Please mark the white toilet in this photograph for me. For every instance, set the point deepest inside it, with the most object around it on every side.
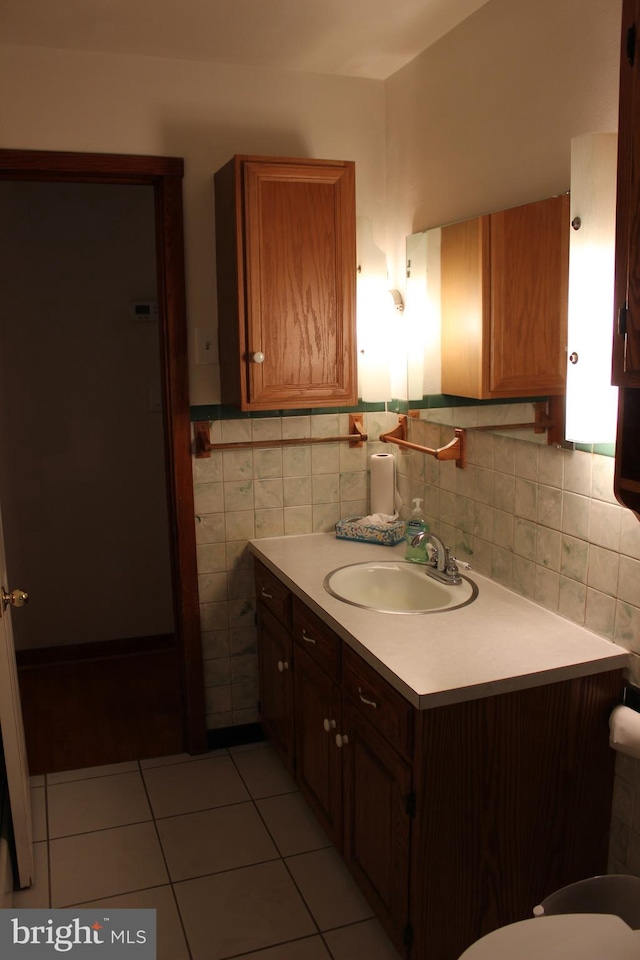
(588, 920)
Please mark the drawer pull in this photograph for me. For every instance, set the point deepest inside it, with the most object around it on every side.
(369, 703)
(267, 596)
(341, 739)
(283, 665)
(328, 725)
(306, 637)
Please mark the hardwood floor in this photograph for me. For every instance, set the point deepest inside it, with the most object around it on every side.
(88, 713)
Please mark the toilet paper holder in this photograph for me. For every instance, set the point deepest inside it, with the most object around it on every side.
(624, 723)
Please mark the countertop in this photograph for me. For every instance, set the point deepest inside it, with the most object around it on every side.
(499, 643)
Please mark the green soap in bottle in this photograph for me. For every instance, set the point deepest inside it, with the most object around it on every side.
(416, 524)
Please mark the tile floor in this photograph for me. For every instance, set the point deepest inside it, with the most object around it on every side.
(222, 846)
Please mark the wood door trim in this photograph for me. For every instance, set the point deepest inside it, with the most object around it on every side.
(164, 174)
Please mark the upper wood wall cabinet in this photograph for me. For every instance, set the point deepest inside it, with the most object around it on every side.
(504, 302)
(286, 274)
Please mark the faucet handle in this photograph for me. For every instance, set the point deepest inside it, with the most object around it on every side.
(455, 562)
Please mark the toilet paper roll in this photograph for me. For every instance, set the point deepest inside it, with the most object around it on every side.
(624, 730)
(383, 483)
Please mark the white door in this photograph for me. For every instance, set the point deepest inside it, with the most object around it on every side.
(15, 750)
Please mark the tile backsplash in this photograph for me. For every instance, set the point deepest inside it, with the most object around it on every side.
(541, 521)
(264, 492)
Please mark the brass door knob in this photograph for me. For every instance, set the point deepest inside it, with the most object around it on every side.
(17, 598)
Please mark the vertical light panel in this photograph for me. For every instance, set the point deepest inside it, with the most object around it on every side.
(591, 413)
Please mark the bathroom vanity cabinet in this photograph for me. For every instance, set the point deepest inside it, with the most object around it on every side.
(504, 289)
(286, 278)
(275, 660)
(353, 737)
(453, 820)
(626, 338)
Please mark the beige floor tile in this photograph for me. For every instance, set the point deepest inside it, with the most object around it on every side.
(264, 773)
(90, 866)
(187, 787)
(85, 773)
(38, 813)
(366, 939)
(246, 747)
(178, 758)
(170, 939)
(213, 840)
(241, 911)
(292, 824)
(311, 948)
(97, 804)
(36, 896)
(328, 889)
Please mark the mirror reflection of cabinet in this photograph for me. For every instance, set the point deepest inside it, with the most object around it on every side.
(504, 280)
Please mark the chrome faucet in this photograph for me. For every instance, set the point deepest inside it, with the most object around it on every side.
(441, 564)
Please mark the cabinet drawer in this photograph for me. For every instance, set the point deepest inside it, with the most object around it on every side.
(273, 594)
(319, 641)
(383, 706)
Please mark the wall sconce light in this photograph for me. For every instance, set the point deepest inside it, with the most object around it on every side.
(591, 412)
(396, 299)
(376, 318)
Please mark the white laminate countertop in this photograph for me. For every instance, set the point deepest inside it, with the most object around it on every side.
(499, 643)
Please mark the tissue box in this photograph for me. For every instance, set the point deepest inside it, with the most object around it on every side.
(358, 528)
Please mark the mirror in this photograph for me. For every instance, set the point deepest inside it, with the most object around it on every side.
(460, 277)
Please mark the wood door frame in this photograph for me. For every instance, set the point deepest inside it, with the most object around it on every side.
(165, 175)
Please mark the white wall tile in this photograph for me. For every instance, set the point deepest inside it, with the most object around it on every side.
(605, 524)
(577, 472)
(603, 570)
(629, 581)
(526, 460)
(574, 558)
(576, 515)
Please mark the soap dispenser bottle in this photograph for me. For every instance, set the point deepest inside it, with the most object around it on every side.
(416, 524)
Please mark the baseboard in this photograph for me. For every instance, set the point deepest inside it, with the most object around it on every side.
(94, 650)
(235, 736)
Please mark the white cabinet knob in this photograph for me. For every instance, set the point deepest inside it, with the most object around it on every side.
(257, 357)
(341, 739)
(283, 665)
(328, 724)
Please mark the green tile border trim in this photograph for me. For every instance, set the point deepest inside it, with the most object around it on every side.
(220, 411)
(436, 401)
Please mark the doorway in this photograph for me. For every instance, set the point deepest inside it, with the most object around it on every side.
(132, 684)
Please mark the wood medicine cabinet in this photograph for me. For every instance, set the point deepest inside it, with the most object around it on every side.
(286, 276)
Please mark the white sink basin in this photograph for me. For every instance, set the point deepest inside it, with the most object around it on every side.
(397, 586)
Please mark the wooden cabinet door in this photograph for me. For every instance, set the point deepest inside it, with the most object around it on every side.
(504, 289)
(466, 306)
(318, 759)
(626, 341)
(377, 821)
(529, 295)
(276, 685)
(286, 258)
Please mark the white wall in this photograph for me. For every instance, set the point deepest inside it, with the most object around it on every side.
(483, 119)
(204, 113)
